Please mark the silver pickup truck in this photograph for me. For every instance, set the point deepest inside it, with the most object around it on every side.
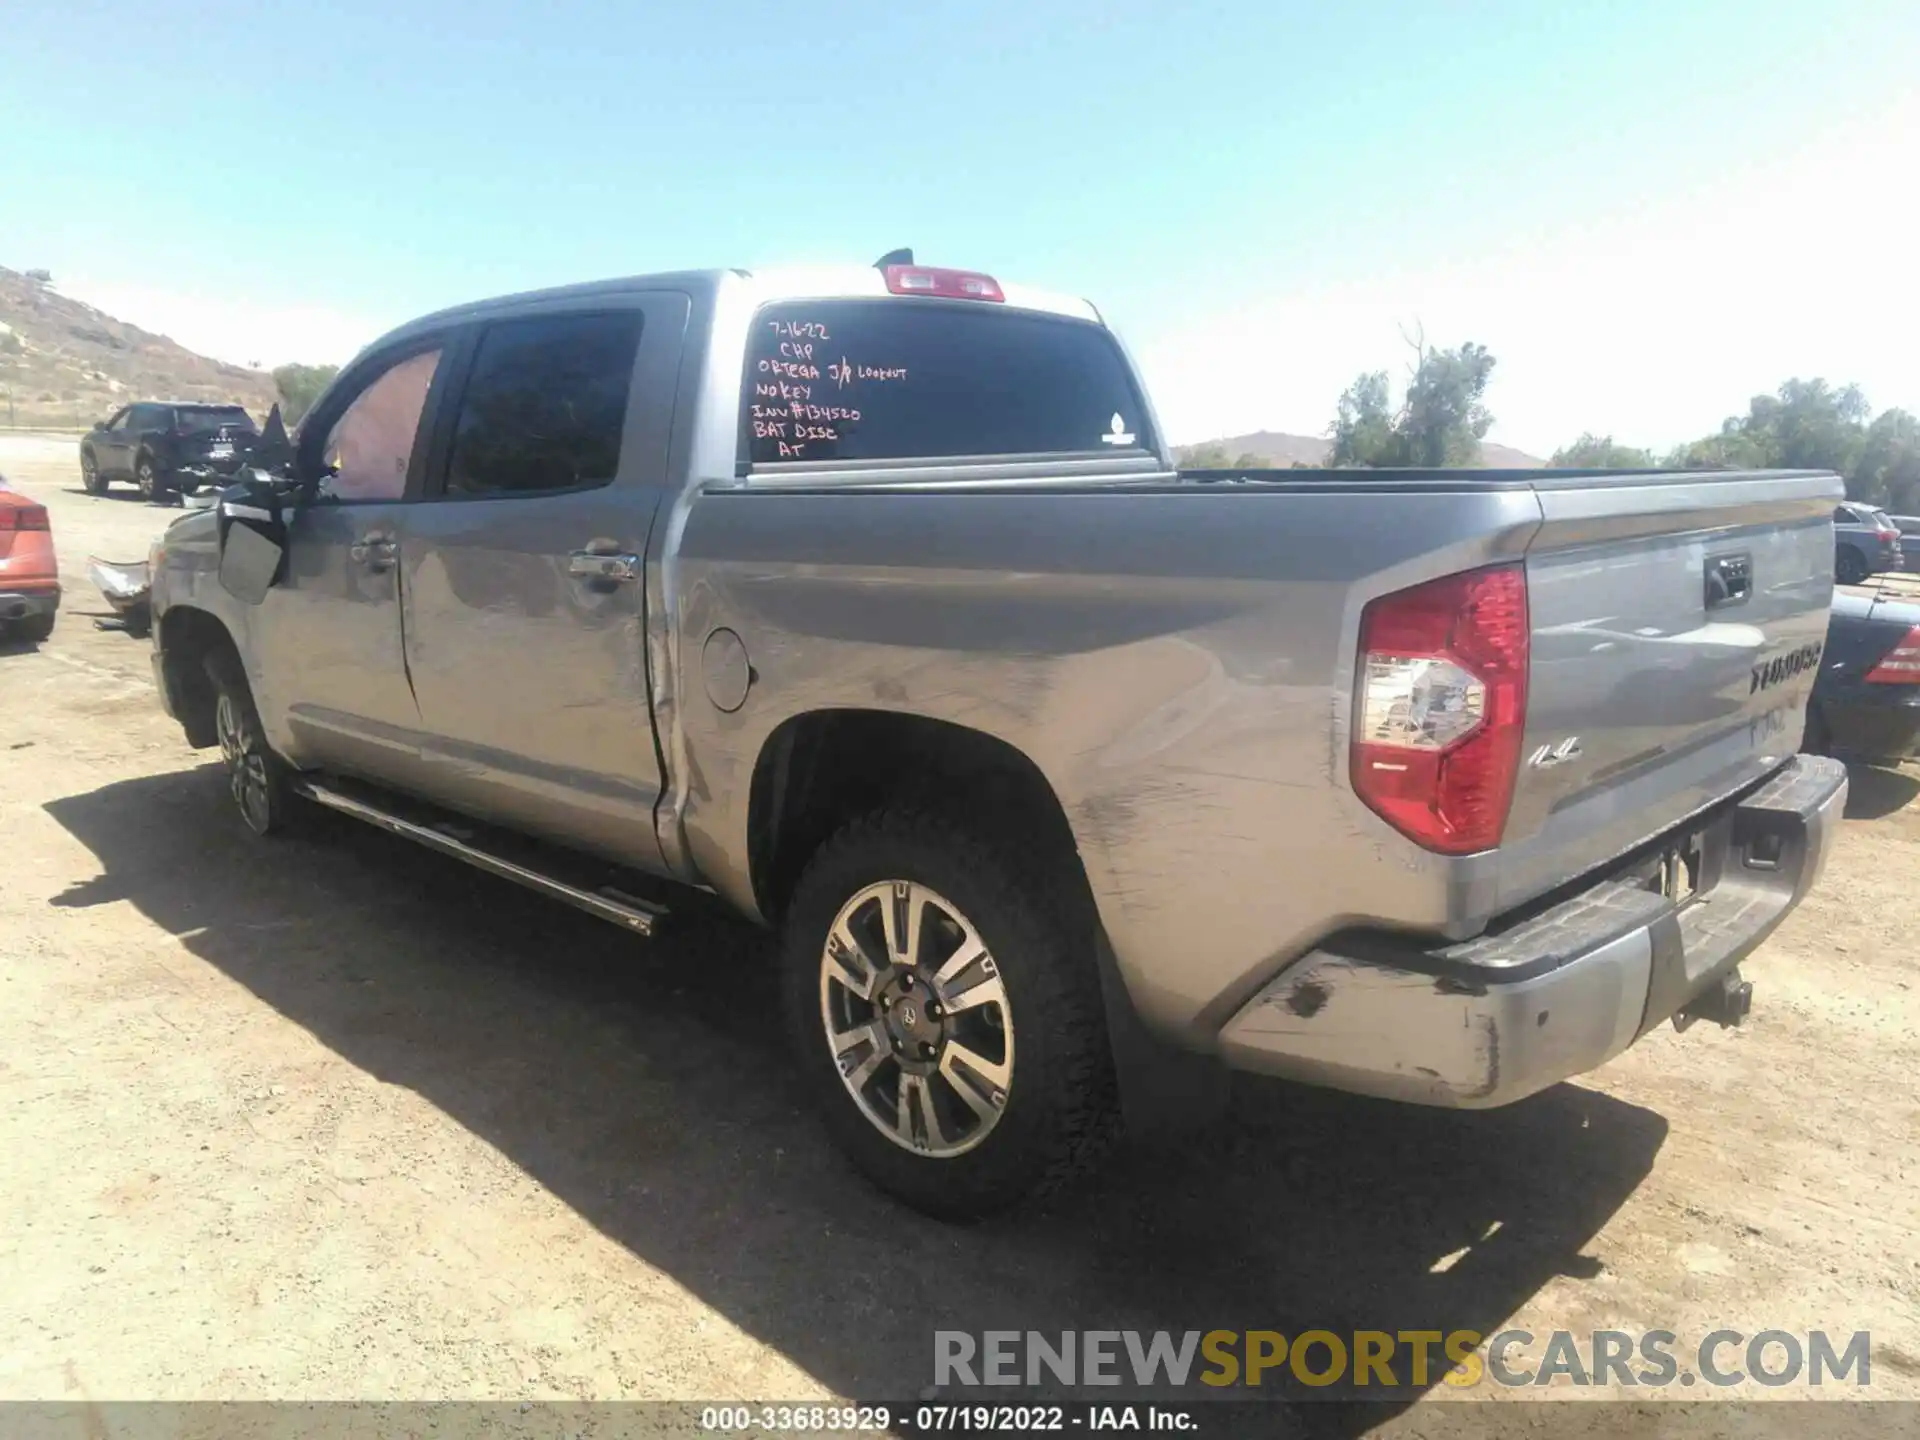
(870, 601)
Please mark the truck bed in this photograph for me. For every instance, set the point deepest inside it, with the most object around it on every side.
(1176, 654)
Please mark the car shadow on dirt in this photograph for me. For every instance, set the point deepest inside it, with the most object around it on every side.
(645, 1084)
(1874, 792)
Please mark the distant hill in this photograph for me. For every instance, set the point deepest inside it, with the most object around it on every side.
(65, 364)
(1280, 449)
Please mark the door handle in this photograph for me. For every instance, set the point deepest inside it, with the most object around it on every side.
(376, 552)
(588, 565)
(1729, 580)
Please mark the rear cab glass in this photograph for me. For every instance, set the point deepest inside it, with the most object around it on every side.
(205, 419)
(898, 380)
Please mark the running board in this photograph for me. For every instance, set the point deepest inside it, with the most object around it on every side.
(628, 911)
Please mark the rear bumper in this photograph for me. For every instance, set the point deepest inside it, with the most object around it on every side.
(1492, 1020)
(24, 604)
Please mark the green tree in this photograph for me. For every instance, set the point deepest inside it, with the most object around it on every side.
(1887, 469)
(1212, 455)
(1441, 422)
(1600, 452)
(1804, 425)
(1731, 449)
(300, 386)
(1364, 428)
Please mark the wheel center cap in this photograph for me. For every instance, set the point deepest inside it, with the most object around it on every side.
(910, 1015)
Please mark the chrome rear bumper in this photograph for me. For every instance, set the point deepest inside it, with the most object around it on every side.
(1492, 1020)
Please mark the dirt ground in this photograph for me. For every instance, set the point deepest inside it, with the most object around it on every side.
(336, 1117)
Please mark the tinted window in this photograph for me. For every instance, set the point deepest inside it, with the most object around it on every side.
(905, 379)
(1844, 516)
(371, 445)
(544, 405)
(204, 419)
(149, 417)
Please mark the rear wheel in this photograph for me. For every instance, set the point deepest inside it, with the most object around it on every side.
(255, 775)
(946, 1014)
(147, 478)
(91, 479)
(1850, 567)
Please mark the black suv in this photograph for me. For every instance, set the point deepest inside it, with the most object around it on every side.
(154, 442)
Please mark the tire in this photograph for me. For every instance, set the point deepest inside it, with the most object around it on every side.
(35, 630)
(91, 480)
(1044, 1105)
(256, 777)
(147, 478)
(1850, 567)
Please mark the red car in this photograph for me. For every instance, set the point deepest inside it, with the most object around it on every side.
(29, 575)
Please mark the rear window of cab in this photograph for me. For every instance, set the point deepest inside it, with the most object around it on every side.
(905, 380)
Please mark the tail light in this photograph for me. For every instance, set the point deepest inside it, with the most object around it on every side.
(23, 517)
(947, 284)
(1900, 665)
(1442, 705)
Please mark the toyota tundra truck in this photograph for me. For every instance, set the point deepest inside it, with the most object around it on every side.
(870, 601)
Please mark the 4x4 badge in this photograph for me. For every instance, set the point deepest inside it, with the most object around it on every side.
(1547, 756)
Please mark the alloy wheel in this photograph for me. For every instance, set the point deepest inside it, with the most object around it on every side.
(917, 1017)
(246, 765)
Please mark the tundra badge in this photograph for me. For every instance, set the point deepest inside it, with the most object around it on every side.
(1794, 662)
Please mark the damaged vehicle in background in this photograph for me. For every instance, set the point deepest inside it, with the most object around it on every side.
(126, 587)
(164, 448)
(870, 601)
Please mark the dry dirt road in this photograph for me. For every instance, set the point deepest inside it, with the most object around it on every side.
(336, 1117)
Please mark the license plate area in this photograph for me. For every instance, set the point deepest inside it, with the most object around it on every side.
(220, 452)
(1675, 870)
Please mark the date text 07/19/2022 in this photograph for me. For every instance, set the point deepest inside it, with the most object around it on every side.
(939, 1419)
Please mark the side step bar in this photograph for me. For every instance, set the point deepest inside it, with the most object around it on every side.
(629, 911)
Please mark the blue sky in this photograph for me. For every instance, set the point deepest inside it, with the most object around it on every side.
(1260, 195)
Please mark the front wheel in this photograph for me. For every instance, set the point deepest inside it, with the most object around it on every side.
(91, 479)
(946, 1015)
(256, 776)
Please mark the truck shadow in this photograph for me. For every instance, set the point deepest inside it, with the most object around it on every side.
(646, 1086)
(1875, 792)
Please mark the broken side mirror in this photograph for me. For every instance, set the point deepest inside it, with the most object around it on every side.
(254, 513)
(253, 534)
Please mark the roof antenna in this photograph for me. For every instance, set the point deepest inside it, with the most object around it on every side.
(894, 257)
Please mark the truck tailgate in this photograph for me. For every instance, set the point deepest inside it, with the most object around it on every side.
(1677, 622)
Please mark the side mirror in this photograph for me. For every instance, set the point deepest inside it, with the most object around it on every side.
(253, 535)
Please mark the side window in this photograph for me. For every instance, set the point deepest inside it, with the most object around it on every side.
(148, 417)
(545, 405)
(122, 420)
(1844, 516)
(370, 445)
